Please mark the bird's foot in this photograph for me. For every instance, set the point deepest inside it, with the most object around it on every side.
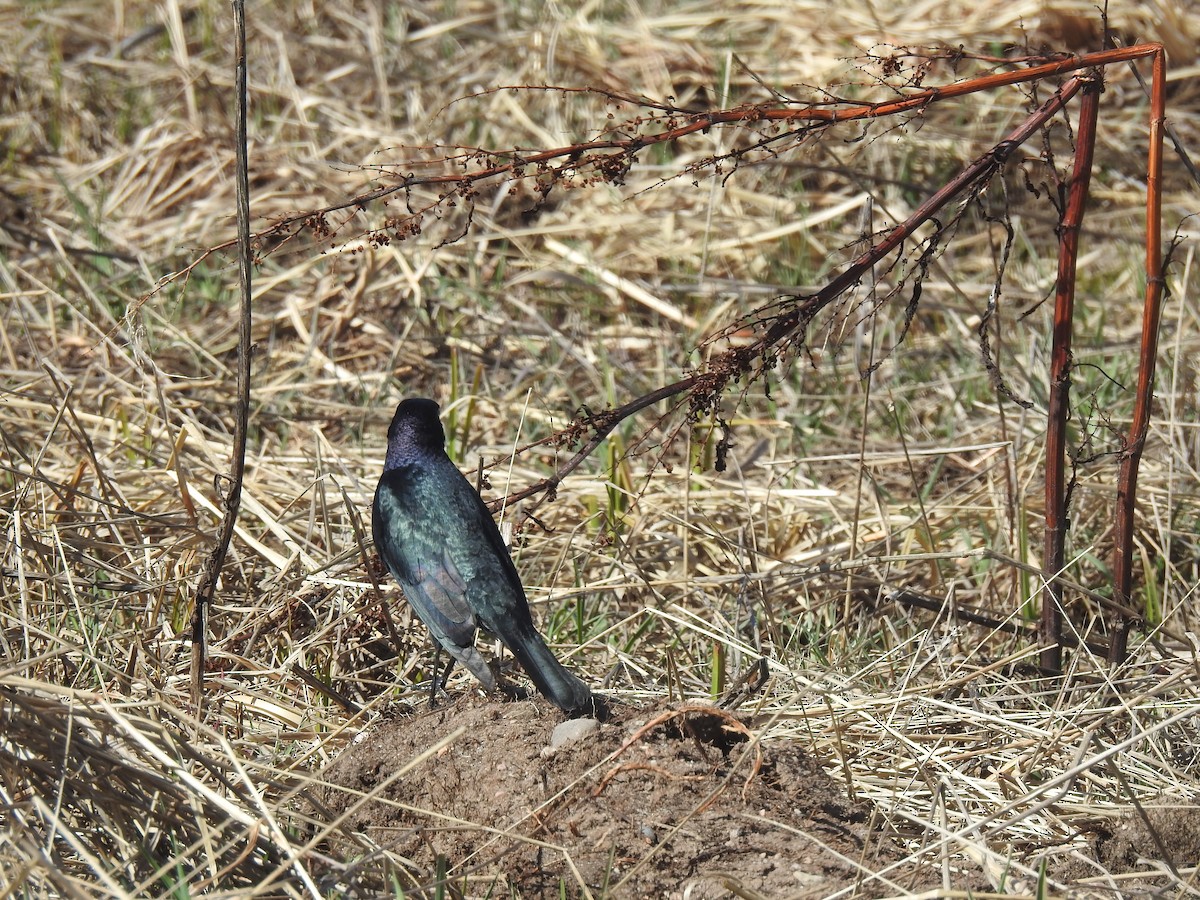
(434, 687)
(511, 690)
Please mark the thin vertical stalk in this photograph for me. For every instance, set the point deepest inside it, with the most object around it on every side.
(1060, 377)
(237, 465)
(1151, 313)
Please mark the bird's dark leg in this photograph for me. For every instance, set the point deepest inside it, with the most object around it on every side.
(437, 656)
(446, 672)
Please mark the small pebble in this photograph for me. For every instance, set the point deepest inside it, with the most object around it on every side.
(571, 731)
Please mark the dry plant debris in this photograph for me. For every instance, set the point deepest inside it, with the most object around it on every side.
(902, 750)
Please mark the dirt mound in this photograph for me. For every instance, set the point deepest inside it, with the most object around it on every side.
(1154, 847)
(654, 803)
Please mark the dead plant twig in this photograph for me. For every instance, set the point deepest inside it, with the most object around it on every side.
(237, 465)
(1152, 311)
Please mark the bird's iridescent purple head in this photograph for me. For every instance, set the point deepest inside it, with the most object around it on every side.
(415, 430)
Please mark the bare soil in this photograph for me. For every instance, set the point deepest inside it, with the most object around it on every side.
(656, 803)
(1145, 853)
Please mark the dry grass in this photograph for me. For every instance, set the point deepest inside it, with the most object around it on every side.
(115, 421)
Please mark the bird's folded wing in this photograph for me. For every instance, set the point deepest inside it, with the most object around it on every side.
(421, 562)
(438, 591)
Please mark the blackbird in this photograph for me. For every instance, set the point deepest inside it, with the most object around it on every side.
(441, 544)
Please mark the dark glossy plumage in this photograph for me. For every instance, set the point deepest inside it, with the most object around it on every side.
(441, 544)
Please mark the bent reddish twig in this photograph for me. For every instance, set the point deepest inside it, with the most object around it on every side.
(704, 385)
(738, 361)
(1144, 398)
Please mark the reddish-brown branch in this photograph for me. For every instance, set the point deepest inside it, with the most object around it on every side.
(739, 361)
(1060, 378)
(579, 156)
(706, 385)
(1151, 312)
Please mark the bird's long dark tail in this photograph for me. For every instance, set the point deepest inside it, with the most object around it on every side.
(549, 676)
